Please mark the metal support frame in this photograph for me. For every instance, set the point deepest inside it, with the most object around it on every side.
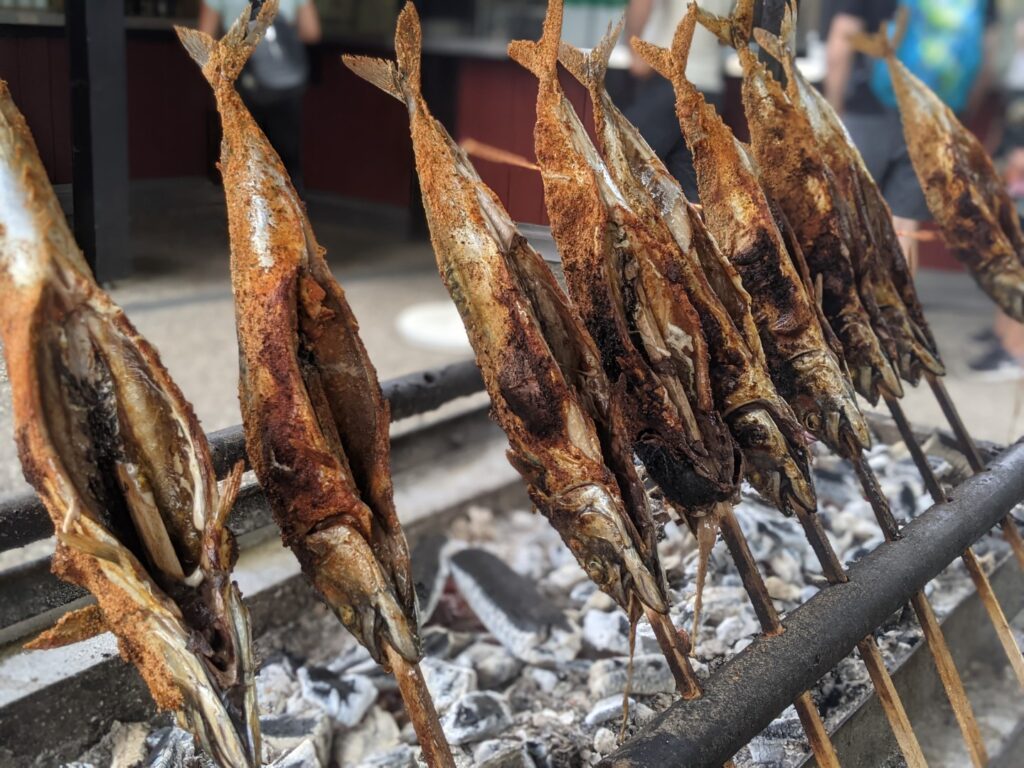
(99, 134)
(751, 689)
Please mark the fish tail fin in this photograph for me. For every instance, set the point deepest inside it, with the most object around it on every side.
(590, 68)
(222, 60)
(659, 58)
(879, 44)
(395, 77)
(777, 46)
(541, 56)
(732, 30)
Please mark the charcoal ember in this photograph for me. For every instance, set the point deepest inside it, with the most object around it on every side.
(174, 748)
(605, 741)
(345, 698)
(447, 682)
(531, 627)
(376, 735)
(782, 590)
(650, 675)
(555, 751)
(606, 632)
(566, 577)
(283, 733)
(767, 752)
(429, 572)
(276, 683)
(355, 658)
(501, 753)
(610, 708)
(304, 755)
(402, 756)
(475, 717)
(442, 643)
(494, 665)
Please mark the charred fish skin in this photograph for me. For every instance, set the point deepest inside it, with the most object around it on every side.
(741, 386)
(315, 419)
(804, 369)
(123, 468)
(610, 260)
(978, 219)
(875, 249)
(541, 369)
(796, 177)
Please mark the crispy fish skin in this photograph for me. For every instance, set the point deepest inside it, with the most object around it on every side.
(616, 270)
(543, 373)
(961, 186)
(123, 468)
(315, 419)
(763, 425)
(796, 178)
(876, 254)
(805, 371)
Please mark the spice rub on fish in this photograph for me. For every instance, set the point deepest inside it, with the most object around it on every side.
(805, 370)
(316, 422)
(543, 373)
(876, 254)
(123, 468)
(964, 193)
(648, 332)
(796, 177)
(761, 422)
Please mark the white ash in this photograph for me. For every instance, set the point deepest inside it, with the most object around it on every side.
(544, 687)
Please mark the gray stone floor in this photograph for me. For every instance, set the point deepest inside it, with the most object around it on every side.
(181, 301)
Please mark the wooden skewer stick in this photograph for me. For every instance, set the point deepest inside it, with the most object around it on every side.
(933, 636)
(981, 582)
(817, 735)
(882, 682)
(675, 644)
(420, 707)
(970, 449)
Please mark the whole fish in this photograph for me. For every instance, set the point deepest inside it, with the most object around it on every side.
(804, 368)
(648, 333)
(122, 466)
(961, 186)
(796, 177)
(316, 422)
(543, 373)
(761, 422)
(875, 249)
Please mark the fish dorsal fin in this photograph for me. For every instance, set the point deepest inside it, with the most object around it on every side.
(222, 60)
(590, 68)
(541, 56)
(879, 44)
(380, 72)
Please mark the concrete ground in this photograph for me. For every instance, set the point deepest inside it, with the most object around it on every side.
(180, 299)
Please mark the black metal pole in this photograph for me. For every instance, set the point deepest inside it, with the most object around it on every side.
(99, 134)
(743, 697)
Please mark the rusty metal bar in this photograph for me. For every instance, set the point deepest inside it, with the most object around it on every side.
(753, 687)
(24, 520)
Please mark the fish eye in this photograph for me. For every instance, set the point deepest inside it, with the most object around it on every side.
(595, 569)
(813, 421)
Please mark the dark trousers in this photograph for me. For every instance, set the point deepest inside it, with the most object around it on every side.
(653, 112)
(281, 121)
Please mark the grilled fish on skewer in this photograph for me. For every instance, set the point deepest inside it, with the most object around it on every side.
(795, 176)
(645, 327)
(804, 369)
(316, 422)
(547, 387)
(964, 193)
(874, 246)
(121, 464)
(771, 440)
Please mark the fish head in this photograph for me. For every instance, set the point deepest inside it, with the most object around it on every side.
(776, 467)
(826, 405)
(591, 521)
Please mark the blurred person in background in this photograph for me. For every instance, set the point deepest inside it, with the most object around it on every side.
(653, 110)
(946, 45)
(274, 80)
